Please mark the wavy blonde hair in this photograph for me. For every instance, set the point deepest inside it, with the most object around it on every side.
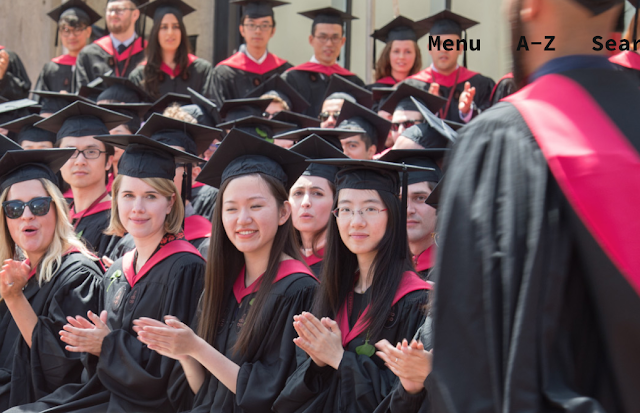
(166, 188)
(64, 237)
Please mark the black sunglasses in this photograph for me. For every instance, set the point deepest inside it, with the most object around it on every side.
(39, 207)
(324, 116)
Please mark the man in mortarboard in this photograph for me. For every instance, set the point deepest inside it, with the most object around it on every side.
(27, 135)
(119, 52)
(327, 37)
(538, 270)
(86, 171)
(337, 92)
(14, 80)
(74, 19)
(252, 65)
(467, 92)
(370, 131)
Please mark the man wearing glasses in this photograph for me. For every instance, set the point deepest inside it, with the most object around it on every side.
(311, 79)
(74, 19)
(252, 65)
(86, 172)
(119, 52)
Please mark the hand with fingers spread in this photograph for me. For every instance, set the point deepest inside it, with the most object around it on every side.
(84, 335)
(410, 362)
(434, 89)
(172, 338)
(320, 339)
(13, 278)
(4, 63)
(466, 98)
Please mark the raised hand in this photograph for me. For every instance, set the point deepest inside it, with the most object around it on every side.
(466, 98)
(13, 278)
(320, 339)
(434, 89)
(4, 63)
(85, 335)
(410, 362)
(172, 338)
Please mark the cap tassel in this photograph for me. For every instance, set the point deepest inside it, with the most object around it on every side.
(464, 53)
(635, 25)
(374, 54)
(57, 35)
(403, 209)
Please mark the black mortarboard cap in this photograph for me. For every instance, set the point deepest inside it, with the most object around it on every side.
(329, 15)
(136, 2)
(380, 96)
(278, 87)
(426, 136)
(167, 100)
(242, 154)
(447, 22)
(401, 28)
(210, 115)
(341, 88)
(75, 8)
(258, 126)
(297, 119)
(158, 8)
(194, 138)
(53, 102)
(425, 158)
(400, 99)
(17, 109)
(256, 9)
(600, 6)
(147, 158)
(82, 119)
(233, 109)
(443, 127)
(353, 115)
(434, 197)
(314, 147)
(135, 111)
(6, 144)
(25, 131)
(332, 136)
(122, 90)
(20, 165)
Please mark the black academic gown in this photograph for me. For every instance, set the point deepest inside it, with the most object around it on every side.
(27, 374)
(203, 200)
(200, 79)
(505, 87)
(530, 313)
(90, 226)
(484, 86)
(100, 57)
(269, 361)
(128, 377)
(361, 381)
(235, 77)
(312, 83)
(57, 75)
(15, 84)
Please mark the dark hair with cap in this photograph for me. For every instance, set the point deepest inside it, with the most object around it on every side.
(258, 9)
(341, 265)
(153, 76)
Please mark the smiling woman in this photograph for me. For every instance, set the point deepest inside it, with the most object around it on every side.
(58, 278)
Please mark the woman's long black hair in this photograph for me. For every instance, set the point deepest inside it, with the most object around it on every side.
(153, 76)
(340, 266)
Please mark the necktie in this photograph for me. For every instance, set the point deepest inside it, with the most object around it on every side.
(121, 48)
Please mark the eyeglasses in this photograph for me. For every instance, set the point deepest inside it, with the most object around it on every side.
(333, 39)
(268, 115)
(66, 31)
(347, 213)
(88, 153)
(406, 124)
(253, 27)
(324, 116)
(118, 10)
(39, 207)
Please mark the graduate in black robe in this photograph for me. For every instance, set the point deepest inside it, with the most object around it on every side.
(83, 121)
(546, 282)
(154, 75)
(453, 86)
(309, 194)
(245, 336)
(74, 19)
(122, 374)
(505, 87)
(252, 65)
(103, 56)
(14, 82)
(311, 79)
(342, 373)
(39, 293)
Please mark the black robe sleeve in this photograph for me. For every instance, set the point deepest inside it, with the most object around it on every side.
(46, 365)
(505, 88)
(15, 84)
(203, 200)
(91, 229)
(55, 77)
(200, 79)
(361, 382)
(231, 83)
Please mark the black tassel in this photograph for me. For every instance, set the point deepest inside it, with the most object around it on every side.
(374, 54)
(57, 34)
(464, 53)
(635, 25)
(403, 209)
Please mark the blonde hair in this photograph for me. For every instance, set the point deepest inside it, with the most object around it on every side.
(64, 237)
(166, 188)
(175, 112)
(277, 99)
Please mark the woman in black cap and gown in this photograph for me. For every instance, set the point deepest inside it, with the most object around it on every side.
(255, 283)
(58, 276)
(169, 65)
